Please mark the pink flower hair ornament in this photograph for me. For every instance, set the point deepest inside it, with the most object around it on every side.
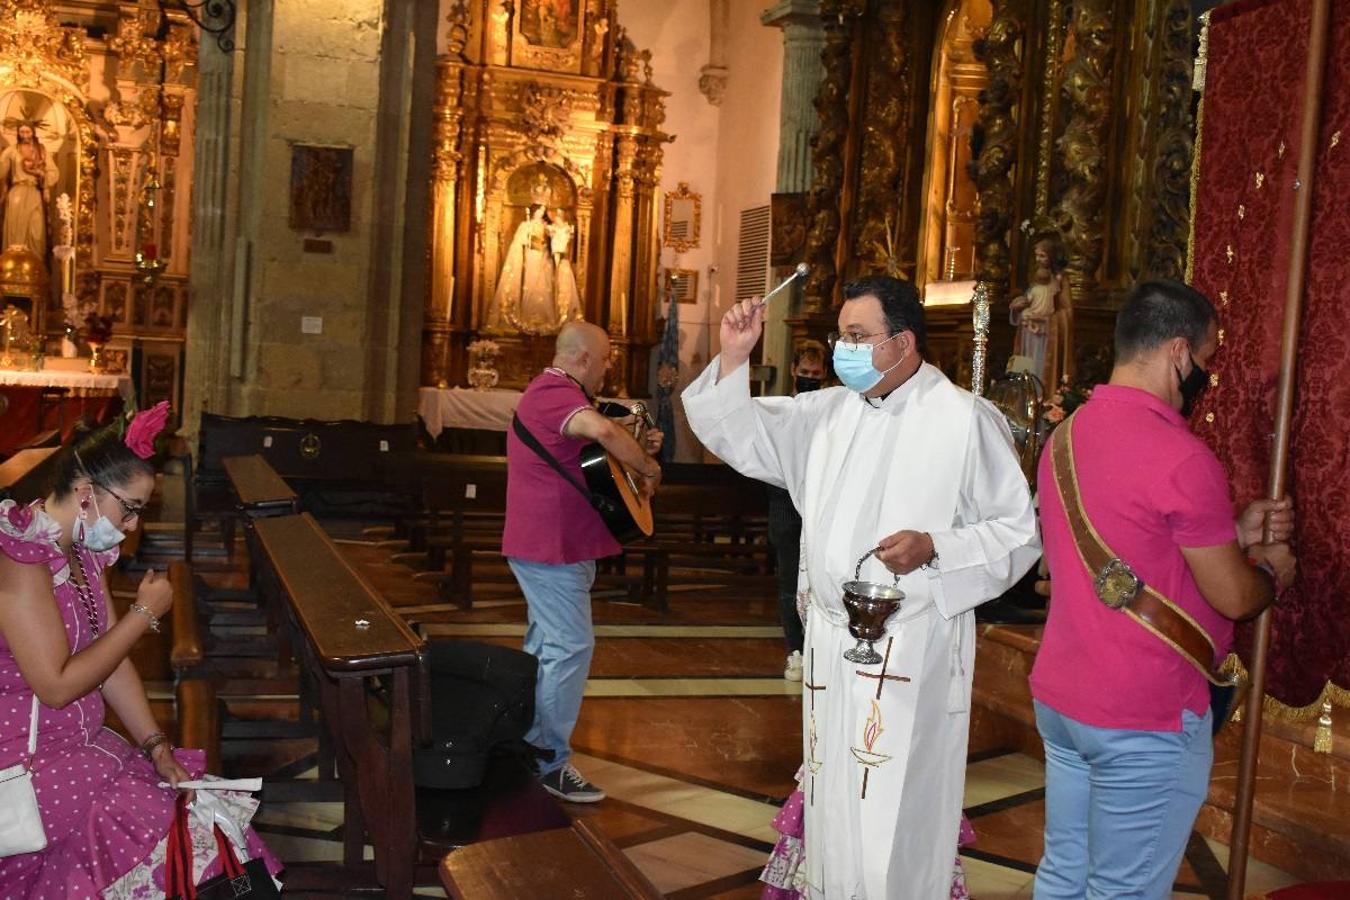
(145, 427)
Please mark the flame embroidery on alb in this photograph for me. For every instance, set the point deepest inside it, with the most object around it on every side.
(867, 754)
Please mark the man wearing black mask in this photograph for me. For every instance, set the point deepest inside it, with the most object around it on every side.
(1150, 570)
(809, 371)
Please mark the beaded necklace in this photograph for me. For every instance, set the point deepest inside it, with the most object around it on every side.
(83, 590)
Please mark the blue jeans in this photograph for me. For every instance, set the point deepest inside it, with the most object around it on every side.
(560, 636)
(1119, 806)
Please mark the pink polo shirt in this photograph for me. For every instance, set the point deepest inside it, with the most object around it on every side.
(1150, 487)
(547, 519)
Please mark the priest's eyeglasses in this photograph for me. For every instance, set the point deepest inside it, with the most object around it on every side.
(835, 337)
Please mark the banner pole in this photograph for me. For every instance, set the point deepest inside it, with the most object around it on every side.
(1279, 459)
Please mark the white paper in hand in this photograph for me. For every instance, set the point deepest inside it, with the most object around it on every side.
(219, 784)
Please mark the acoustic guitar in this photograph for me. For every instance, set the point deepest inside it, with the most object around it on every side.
(625, 512)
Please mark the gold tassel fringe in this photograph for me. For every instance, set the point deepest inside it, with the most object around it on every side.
(1331, 695)
(1322, 740)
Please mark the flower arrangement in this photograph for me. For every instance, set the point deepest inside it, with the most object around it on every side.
(482, 370)
(1065, 400)
(1092, 366)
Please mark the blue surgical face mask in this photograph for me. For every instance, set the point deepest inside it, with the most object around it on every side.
(102, 535)
(853, 365)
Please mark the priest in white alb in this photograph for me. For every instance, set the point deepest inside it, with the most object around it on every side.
(902, 461)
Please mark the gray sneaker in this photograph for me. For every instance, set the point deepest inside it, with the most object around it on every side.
(567, 784)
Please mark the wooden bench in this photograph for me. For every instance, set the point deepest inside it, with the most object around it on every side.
(332, 466)
(349, 638)
(24, 476)
(196, 704)
(577, 862)
(259, 490)
(707, 515)
(363, 667)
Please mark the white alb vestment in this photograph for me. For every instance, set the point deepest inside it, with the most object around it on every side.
(885, 757)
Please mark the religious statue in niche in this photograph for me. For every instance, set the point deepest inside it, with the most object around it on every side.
(536, 285)
(550, 23)
(36, 163)
(1043, 315)
(560, 236)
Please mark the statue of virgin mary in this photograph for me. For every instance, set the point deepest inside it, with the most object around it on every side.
(524, 295)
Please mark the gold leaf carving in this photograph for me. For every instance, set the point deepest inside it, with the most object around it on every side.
(992, 169)
(1083, 147)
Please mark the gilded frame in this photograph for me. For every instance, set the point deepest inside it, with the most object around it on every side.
(685, 284)
(528, 46)
(691, 241)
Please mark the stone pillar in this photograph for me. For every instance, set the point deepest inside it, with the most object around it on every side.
(211, 259)
(712, 78)
(803, 41)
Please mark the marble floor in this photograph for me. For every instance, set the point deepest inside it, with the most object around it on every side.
(691, 729)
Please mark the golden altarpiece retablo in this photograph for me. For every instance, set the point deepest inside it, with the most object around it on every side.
(547, 159)
(108, 91)
(954, 134)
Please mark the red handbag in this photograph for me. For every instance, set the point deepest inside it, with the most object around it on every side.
(249, 880)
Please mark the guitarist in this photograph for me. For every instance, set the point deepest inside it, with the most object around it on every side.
(554, 536)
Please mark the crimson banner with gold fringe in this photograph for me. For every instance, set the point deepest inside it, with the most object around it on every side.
(1243, 210)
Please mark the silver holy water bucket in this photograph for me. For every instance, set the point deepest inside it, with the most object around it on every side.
(869, 606)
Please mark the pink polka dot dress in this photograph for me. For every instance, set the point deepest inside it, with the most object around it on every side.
(102, 808)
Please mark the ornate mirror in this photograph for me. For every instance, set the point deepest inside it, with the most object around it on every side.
(684, 214)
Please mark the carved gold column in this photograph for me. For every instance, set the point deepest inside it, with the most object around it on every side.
(1045, 138)
(877, 212)
(992, 170)
(621, 267)
(1083, 148)
(438, 322)
(832, 105)
(647, 244)
(1163, 254)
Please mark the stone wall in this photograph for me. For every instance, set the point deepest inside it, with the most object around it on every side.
(312, 73)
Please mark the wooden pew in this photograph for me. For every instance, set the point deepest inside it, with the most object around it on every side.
(708, 516)
(350, 639)
(196, 704)
(24, 475)
(364, 667)
(188, 649)
(259, 490)
(329, 464)
(577, 862)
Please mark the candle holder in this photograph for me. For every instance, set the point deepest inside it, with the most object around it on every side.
(148, 265)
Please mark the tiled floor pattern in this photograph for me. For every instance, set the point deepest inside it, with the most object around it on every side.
(690, 728)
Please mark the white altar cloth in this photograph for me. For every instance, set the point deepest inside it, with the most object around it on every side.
(81, 384)
(465, 408)
(442, 408)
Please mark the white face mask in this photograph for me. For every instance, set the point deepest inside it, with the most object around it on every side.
(102, 535)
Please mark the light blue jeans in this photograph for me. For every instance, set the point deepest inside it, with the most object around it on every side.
(1119, 806)
(560, 636)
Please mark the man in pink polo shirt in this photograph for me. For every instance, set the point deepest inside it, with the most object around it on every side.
(1125, 718)
(553, 536)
